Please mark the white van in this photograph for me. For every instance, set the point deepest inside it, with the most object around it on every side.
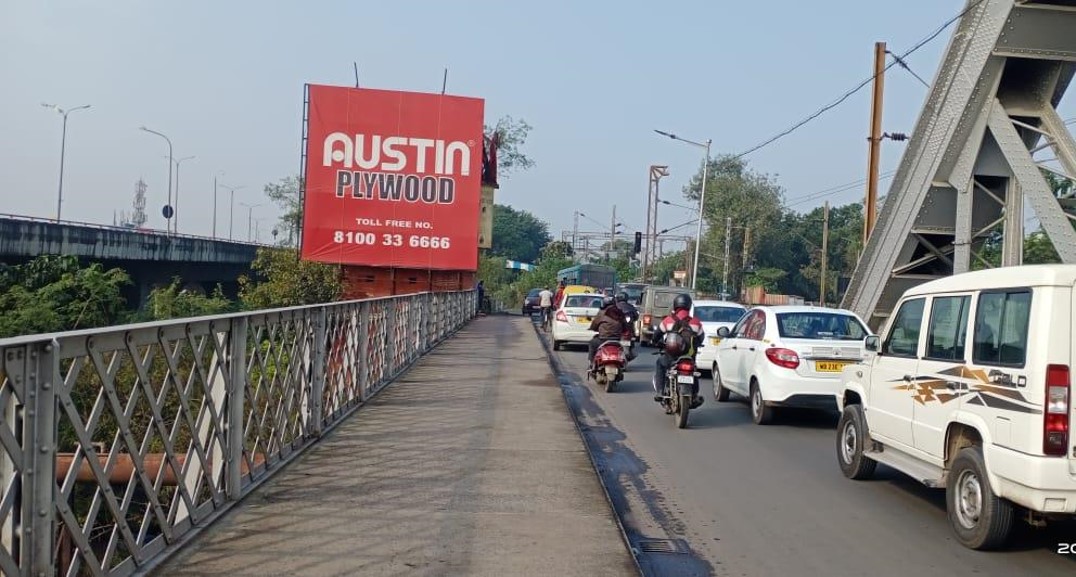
(968, 388)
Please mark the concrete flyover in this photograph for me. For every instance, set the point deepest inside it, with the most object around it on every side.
(152, 258)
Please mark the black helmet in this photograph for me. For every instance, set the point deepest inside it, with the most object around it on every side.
(682, 302)
(621, 297)
(674, 344)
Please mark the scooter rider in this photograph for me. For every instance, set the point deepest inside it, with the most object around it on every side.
(609, 324)
(690, 328)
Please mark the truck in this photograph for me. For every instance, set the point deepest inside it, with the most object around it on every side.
(595, 275)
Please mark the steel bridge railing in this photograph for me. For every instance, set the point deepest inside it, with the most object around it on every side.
(118, 444)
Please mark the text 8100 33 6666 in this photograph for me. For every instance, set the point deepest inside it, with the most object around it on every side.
(369, 238)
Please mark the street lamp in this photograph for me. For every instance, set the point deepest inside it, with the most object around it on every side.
(702, 199)
(63, 147)
(250, 216)
(231, 210)
(178, 162)
(219, 173)
(169, 210)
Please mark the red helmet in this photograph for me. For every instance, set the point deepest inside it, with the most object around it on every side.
(674, 344)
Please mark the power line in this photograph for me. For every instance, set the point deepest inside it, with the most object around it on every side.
(834, 190)
(904, 65)
(860, 86)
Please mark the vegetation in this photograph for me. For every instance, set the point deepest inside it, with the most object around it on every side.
(281, 279)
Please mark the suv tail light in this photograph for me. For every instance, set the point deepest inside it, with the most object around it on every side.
(562, 317)
(685, 367)
(1055, 423)
(786, 358)
(647, 319)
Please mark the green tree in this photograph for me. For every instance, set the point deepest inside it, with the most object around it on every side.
(55, 293)
(510, 136)
(282, 280)
(518, 235)
(753, 201)
(285, 194)
(173, 301)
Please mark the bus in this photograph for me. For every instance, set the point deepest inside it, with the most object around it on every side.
(595, 275)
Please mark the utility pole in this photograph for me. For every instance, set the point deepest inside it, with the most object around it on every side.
(725, 275)
(575, 236)
(870, 207)
(649, 255)
(612, 236)
(746, 246)
(215, 206)
(825, 253)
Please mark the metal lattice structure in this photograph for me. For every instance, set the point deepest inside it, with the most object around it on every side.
(117, 444)
(970, 165)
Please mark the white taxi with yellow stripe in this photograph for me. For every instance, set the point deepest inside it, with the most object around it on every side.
(788, 356)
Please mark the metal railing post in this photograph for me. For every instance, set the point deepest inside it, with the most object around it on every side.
(390, 338)
(317, 384)
(40, 475)
(364, 350)
(236, 398)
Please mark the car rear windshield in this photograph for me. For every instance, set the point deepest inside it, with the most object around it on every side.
(713, 314)
(634, 293)
(584, 302)
(534, 292)
(820, 325)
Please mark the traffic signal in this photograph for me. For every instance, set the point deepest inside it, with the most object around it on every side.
(638, 242)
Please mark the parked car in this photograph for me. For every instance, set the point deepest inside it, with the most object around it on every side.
(531, 304)
(958, 395)
(714, 315)
(571, 323)
(788, 356)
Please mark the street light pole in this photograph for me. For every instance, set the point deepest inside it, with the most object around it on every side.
(63, 148)
(250, 217)
(168, 216)
(702, 200)
(176, 207)
(231, 209)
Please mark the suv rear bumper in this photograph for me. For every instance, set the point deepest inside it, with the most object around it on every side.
(1042, 484)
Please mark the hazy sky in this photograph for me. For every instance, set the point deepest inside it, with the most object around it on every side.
(224, 80)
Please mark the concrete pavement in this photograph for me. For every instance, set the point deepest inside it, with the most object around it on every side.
(470, 464)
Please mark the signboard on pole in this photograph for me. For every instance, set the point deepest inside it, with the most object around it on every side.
(392, 179)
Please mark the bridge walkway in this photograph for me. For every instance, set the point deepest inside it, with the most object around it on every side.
(469, 464)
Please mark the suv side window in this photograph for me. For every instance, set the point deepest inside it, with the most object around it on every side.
(1001, 325)
(948, 330)
(903, 340)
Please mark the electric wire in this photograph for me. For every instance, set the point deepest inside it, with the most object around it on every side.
(861, 85)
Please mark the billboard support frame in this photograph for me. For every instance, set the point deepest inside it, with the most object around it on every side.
(302, 172)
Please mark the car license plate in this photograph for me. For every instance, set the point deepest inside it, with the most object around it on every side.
(583, 320)
(715, 340)
(625, 344)
(686, 379)
(829, 366)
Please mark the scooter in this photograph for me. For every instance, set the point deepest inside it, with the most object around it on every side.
(627, 342)
(609, 363)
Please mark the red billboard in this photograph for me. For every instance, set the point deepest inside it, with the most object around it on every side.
(393, 179)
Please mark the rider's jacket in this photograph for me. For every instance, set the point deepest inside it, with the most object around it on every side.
(695, 324)
(609, 324)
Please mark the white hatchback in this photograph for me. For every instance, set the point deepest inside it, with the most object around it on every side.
(571, 322)
(788, 356)
(714, 315)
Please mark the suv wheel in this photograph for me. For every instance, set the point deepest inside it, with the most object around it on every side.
(979, 518)
(851, 438)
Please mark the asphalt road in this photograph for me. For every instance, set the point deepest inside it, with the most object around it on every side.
(728, 497)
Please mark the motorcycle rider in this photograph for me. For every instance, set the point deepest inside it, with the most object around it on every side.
(609, 324)
(545, 303)
(690, 328)
(631, 316)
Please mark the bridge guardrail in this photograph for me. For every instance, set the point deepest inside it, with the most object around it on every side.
(118, 444)
(116, 228)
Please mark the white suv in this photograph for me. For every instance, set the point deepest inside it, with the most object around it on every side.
(968, 388)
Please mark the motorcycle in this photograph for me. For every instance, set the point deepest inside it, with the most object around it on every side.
(608, 366)
(681, 382)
